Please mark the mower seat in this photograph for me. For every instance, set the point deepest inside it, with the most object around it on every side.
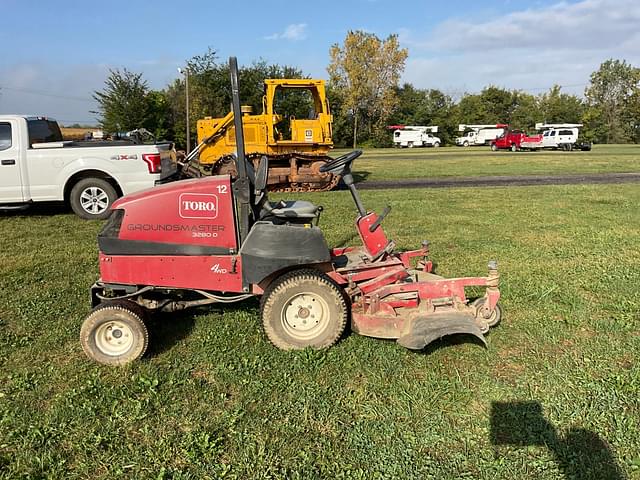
(291, 209)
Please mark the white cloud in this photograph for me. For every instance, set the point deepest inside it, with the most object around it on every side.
(294, 32)
(530, 49)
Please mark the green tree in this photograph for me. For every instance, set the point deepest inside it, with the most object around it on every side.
(364, 72)
(612, 97)
(472, 110)
(122, 104)
(159, 119)
(499, 103)
(210, 91)
(525, 111)
(558, 107)
(342, 128)
(425, 107)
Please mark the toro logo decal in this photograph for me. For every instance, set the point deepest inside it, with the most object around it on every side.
(198, 205)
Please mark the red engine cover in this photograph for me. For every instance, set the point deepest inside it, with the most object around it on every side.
(193, 212)
(192, 219)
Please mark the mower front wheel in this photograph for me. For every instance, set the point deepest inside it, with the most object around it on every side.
(489, 321)
(114, 333)
(303, 309)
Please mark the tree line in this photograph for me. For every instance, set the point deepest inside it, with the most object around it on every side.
(366, 97)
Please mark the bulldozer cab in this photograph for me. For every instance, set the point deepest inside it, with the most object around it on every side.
(293, 130)
(297, 111)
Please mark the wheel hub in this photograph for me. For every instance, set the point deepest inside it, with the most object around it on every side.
(94, 200)
(304, 315)
(114, 338)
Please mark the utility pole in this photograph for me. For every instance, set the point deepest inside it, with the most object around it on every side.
(185, 71)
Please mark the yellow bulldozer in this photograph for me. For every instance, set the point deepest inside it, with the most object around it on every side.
(296, 142)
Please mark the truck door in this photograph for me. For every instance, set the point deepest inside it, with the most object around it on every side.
(11, 190)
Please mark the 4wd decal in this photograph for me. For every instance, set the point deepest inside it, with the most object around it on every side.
(198, 205)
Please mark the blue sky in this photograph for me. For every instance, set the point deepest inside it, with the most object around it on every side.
(56, 53)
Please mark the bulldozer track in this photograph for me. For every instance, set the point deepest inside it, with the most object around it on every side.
(222, 166)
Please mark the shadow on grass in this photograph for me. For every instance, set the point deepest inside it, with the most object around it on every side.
(169, 329)
(449, 341)
(580, 454)
(37, 209)
(358, 177)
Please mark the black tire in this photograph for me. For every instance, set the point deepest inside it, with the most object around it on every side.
(91, 198)
(410, 144)
(321, 315)
(494, 147)
(514, 147)
(492, 320)
(465, 144)
(436, 145)
(109, 322)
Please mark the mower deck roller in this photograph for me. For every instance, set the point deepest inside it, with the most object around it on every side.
(220, 240)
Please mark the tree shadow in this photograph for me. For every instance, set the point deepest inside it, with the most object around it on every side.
(580, 453)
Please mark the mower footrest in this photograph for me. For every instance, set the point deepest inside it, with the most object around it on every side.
(423, 330)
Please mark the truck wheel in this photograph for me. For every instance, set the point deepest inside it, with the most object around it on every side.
(303, 309)
(410, 144)
(436, 145)
(114, 333)
(514, 147)
(465, 144)
(494, 147)
(91, 198)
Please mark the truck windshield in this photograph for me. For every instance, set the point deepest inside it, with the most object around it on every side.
(42, 130)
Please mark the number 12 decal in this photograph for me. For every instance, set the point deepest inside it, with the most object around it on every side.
(222, 189)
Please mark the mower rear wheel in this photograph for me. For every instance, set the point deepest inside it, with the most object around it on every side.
(303, 308)
(114, 333)
(487, 322)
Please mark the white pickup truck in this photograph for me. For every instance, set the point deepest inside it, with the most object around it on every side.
(557, 136)
(36, 165)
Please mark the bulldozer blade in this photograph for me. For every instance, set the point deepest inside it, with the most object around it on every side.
(424, 330)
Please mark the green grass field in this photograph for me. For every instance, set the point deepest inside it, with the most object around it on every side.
(391, 164)
(555, 395)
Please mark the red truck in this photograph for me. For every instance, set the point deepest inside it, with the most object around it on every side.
(512, 139)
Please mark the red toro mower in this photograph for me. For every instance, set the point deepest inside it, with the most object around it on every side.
(217, 240)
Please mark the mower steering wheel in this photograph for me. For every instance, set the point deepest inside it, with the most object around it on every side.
(338, 165)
